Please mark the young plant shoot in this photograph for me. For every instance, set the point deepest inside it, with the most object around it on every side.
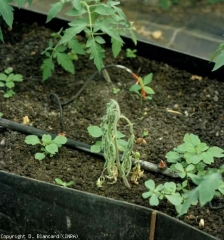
(62, 183)
(8, 80)
(49, 146)
(95, 19)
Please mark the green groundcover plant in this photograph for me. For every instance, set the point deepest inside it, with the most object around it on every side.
(49, 146)
(191, 160)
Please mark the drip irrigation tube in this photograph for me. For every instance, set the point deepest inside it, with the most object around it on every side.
(79, 145)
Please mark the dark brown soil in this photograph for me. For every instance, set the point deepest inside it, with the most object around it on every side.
(201, 104)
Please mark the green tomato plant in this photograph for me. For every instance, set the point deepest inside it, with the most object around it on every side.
(62, 183)
(95, 19)
(8, 80)
(115, 164)
(49, 146)
(219, 55)
(191, 160)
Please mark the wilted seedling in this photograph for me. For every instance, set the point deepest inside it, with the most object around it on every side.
(62, 183)
(7, 81)
(136, 170)
(49, 146)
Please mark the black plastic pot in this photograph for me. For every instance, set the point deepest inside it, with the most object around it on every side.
(32, 207)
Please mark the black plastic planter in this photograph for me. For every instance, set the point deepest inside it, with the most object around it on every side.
(44, 211)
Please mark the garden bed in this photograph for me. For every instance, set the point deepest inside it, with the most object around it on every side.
(181, 105)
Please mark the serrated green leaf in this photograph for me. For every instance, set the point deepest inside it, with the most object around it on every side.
(219, 61)
(6, 10)
(65, 61)
(75, 13)
(76, 47)
(104, 9)
(207, 157)
(77, 4)
(97, 54)
(47, 67)
(186, 147)
(99, 40)
(76, 27)
(116, 47)
(54, 10)
(191, 138)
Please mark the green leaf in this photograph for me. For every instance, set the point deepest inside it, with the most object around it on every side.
(10, 84)
(176, 199)
(77, 4)
(219, 61)
(96, 53)
(221, 187)
(216, 152)
(104, 9)
(99, 40)
(59, 181)
(190, 168)
(207, 157)
(148, 90)
(54, 10)
(65, 61)
(154, 201)
(59, 140)
(32, 140)
(120, 134)
(47, 67)
(191, 138)
(208, 187)
(186, 147)
(76, 27)
(39, 156)
(146, 194)
(95, 131)
(18, 78)
(147, 79)
(76, 47)
(6, 11)
(173, 157)
(3, 77)
(150, 184)
(46, 138)
(96, 148)
(179, 167)
(75, 13)
(52, 148)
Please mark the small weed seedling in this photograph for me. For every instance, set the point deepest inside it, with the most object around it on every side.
(62, 183)
(95, 19)
(1, 114)
(49, 146)
(7, 81)
(109, 144)
(141, 88)
(116, 90)
(190, 160)
(131, 53)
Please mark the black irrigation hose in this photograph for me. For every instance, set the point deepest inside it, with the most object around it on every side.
(79, 145)
(221, 206)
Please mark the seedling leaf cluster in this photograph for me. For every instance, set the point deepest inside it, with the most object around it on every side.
(49, 146)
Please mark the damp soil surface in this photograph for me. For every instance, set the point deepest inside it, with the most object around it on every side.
(181, 105)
